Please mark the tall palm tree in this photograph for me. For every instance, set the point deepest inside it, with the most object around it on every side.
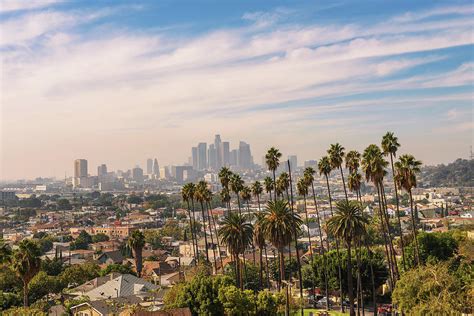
(325, 167)
(336, 157)
(236, 185)
(279, 224)
(309, 179)
(302, 189)
(246, 194)
(272, 159)
(211, 216)
(224, 177)
(257, 190)
(187, 192)
(269, 186)
(347, 223)
(136, 242)
(200, 194)
(225, 197)
(390, 146)
(26, 263)
(352, 161)
(374, 165)
(5, 252)
(406, 169)
(236, 233)
(283, 184)
(259, 240)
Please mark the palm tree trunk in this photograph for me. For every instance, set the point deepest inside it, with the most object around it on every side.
(341, 295)
(25, 294)
(398, 214)
(382, 227)
(274, 183)
(387, 222)
(204, 227)
(266, 267)
(217, 238)
(310, 247)
(282, 277)
(350, 281)
(212, 238)
(195, 231)
(322, 250)
(372, 278)
(298, 259)
(343, 183)
(191, 226)
(253, 244)
(415, 240)
(360, 293)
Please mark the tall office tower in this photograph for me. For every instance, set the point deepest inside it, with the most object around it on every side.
(149, 166)
(225, 154)
(310, 163)
(80, 168)
(212, 157)
(137, 174)
(156, 168)
(293, 162)
(102, 171)
(218, 148)
(234, 157)
(245, 156)
(202, 156)
(194, 158)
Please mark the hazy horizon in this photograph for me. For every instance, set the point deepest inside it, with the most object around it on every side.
(117, 83)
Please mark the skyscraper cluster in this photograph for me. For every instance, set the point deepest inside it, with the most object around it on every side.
(218, 155)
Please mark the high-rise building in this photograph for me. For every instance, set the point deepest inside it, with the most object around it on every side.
(245, 160)
(310, 163)
(225, 154)
(102, 171)
(164, 173)
(194, 158)
(149, 166)
(293, 162)
(234, 157)
(137, 174)
(80, 168)
(212, 157)
(80, 172)
(218, 151)
(202, 156)
(156, 168)
(182, 173)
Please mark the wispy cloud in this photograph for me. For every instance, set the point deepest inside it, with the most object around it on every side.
(22, 5)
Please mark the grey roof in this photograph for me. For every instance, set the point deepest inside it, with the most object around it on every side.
(122, 286)
(116, 256)
(94, 283)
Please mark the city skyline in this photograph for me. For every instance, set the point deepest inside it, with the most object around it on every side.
(117, 83)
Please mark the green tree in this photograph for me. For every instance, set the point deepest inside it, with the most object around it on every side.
(268, 303)
(100, 237)
(136, 242)
(236, 301)
(119, 268)
(82, 241)
(26, 263)
(272, 158)
(64, 204)
(42, 285)
(432, 290)
(336, 158)
(269, 186)
(79, 273)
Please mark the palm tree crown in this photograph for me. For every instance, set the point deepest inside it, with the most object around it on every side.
(353, 161)
(336, 155)
(348, 221)
(390, 144)
(236, 183)
(236, 233)
(324, 166)
(406, 169)
(268, 183)
(257, 189)
(224, 177)
(272, 158)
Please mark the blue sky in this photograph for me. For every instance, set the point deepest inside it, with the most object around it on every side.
(116, 81)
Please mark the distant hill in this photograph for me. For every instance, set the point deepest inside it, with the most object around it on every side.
(459, 173)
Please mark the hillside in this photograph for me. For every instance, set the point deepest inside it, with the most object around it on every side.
(457, 173)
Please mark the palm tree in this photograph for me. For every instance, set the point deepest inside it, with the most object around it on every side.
(5, 252)
(406, 169)
(246, 194)
(136, 242)
(336, 157)
(225, 197)
(309, 179)
(236, 234)
(352, 161)
(187, 192)
(347, 223)
(302, 189)
(269, 186)
(236, 185)
(374, 166)
(224, 177)
(354, 182)
(390, 146)
(279, 224)
(283, 184)
(324, 166)
(259, 240)
(26, 263)
(209, 213)
(272, 159)
(200, 196)
(257, 190)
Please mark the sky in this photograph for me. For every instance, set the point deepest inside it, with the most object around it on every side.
(117, 82)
